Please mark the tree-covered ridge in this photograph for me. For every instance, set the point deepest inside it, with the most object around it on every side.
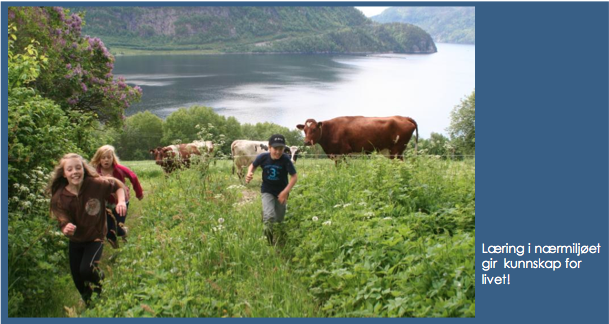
(251, 29)
(445, 24)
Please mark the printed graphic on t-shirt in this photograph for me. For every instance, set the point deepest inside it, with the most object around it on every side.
(93, 206)
(272, 172)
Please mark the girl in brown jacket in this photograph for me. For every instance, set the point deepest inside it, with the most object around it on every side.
(78, 202)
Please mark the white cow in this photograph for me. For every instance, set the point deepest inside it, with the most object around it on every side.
(292, 152)
(203, 146)
(245, 152)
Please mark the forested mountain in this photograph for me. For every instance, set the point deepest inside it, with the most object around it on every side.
(445, 24)
(251, 29)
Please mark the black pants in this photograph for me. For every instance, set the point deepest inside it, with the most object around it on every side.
(84, 265)
(115, 223)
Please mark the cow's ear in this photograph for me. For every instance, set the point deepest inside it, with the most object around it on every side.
(300, 126)
(319, 125)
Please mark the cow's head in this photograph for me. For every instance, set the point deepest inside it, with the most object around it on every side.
(157, 154)
(312, 131)
(292, 153)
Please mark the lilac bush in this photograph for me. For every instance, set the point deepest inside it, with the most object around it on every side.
(79, 74)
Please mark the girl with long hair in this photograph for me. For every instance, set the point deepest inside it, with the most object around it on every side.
(78, 202)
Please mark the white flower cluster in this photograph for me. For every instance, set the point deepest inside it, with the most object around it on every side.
(327, 223)
(342, 205)
(219, 227)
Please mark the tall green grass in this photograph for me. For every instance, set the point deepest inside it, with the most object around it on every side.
(370, 237)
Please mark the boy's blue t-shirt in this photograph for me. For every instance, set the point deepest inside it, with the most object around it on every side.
(274, 172)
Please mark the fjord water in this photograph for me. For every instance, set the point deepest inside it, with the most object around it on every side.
(289, 89)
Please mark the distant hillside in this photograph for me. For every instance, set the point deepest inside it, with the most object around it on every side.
(251, 29)
(445, 24)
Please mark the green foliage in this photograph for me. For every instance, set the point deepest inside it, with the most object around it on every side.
(263, 131)
(462, 127)
(37, 262)
(144, 131)
(141, 132)
(370, 238)
(386, 238)
(437, 145)
(196, 253)
(180, 126)
(40, 132)
(445, 24)
(78, 75)
(252, 29)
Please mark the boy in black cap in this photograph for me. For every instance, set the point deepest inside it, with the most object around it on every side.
(275, 187)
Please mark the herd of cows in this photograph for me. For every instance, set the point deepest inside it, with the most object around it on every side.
(337, 137)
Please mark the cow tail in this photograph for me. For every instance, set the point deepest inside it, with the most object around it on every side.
(416, 139)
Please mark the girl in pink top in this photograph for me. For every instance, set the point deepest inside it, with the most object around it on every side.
(107, 164)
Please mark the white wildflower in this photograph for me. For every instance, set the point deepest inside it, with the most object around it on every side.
(315, 219)
(218, 196)
(221, 220)
(346, 205)
(338, 205)
(387, 218)
(369, 214)
(327, 223)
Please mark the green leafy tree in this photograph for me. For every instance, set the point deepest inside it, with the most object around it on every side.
(39, 130)
(435, 145)
(232, 131)
(180, 126)
(462, 127)
(262, 132)
(141, 132)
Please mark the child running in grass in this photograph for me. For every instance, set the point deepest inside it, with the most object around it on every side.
(275, 187)
(78, 202)
(107, 164)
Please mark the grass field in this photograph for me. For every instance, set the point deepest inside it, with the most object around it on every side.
(367, 238)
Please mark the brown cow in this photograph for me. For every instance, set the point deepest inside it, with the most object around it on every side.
(357, 134)
(176, 156)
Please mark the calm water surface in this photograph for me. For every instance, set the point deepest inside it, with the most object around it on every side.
(288, 89)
